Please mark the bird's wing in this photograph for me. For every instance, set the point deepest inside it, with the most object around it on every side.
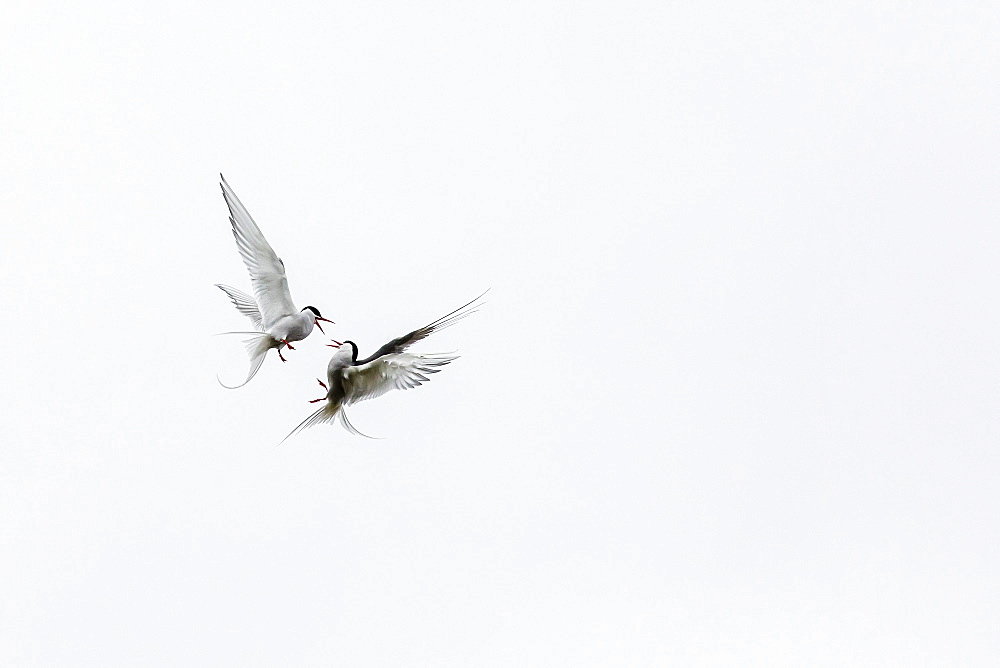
(400, 371)
(397, 346)
(267, 271)
(244, 303)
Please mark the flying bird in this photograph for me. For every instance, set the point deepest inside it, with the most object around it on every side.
(271, 309)
(350, 380)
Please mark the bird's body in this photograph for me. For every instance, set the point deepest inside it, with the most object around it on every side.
(292, 328)
(271, 309)
(350, 380)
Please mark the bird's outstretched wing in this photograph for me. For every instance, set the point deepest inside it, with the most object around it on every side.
(267, 271)
(244, 303)
(399, 371)
(397, 346)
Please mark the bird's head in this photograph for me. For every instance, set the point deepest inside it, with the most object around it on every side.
(317, 317)
(353, 347)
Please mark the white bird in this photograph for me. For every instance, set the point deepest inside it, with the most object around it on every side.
(271, 309)
(350, 380)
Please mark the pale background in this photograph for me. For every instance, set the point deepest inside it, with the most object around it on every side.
(733, 400)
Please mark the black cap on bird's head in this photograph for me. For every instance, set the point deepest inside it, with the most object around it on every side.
(352, 344)
(318, 316)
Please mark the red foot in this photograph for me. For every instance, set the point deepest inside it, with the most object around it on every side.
(285, 341)
(313, 401)
(323, 385)
(281, 356)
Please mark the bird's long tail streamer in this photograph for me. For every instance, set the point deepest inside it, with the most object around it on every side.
(350, 427)
(326, 413)
(257, 347)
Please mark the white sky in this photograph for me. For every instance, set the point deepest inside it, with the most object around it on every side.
(733, 400)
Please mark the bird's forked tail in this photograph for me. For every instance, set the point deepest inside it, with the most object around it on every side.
(325, 414)
(257, 347)
(329, 412)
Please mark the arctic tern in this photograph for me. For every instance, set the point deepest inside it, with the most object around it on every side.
(271, 309)
(350, 380)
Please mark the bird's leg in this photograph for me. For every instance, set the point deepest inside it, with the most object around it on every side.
(285, 341)
(323, 385)
(280, 356)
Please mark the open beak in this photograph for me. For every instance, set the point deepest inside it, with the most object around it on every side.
(335, 344)
(318, 318)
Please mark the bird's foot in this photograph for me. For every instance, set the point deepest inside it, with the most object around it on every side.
(313, 401)
(323, 385)
(280, 356)
(285, 341)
